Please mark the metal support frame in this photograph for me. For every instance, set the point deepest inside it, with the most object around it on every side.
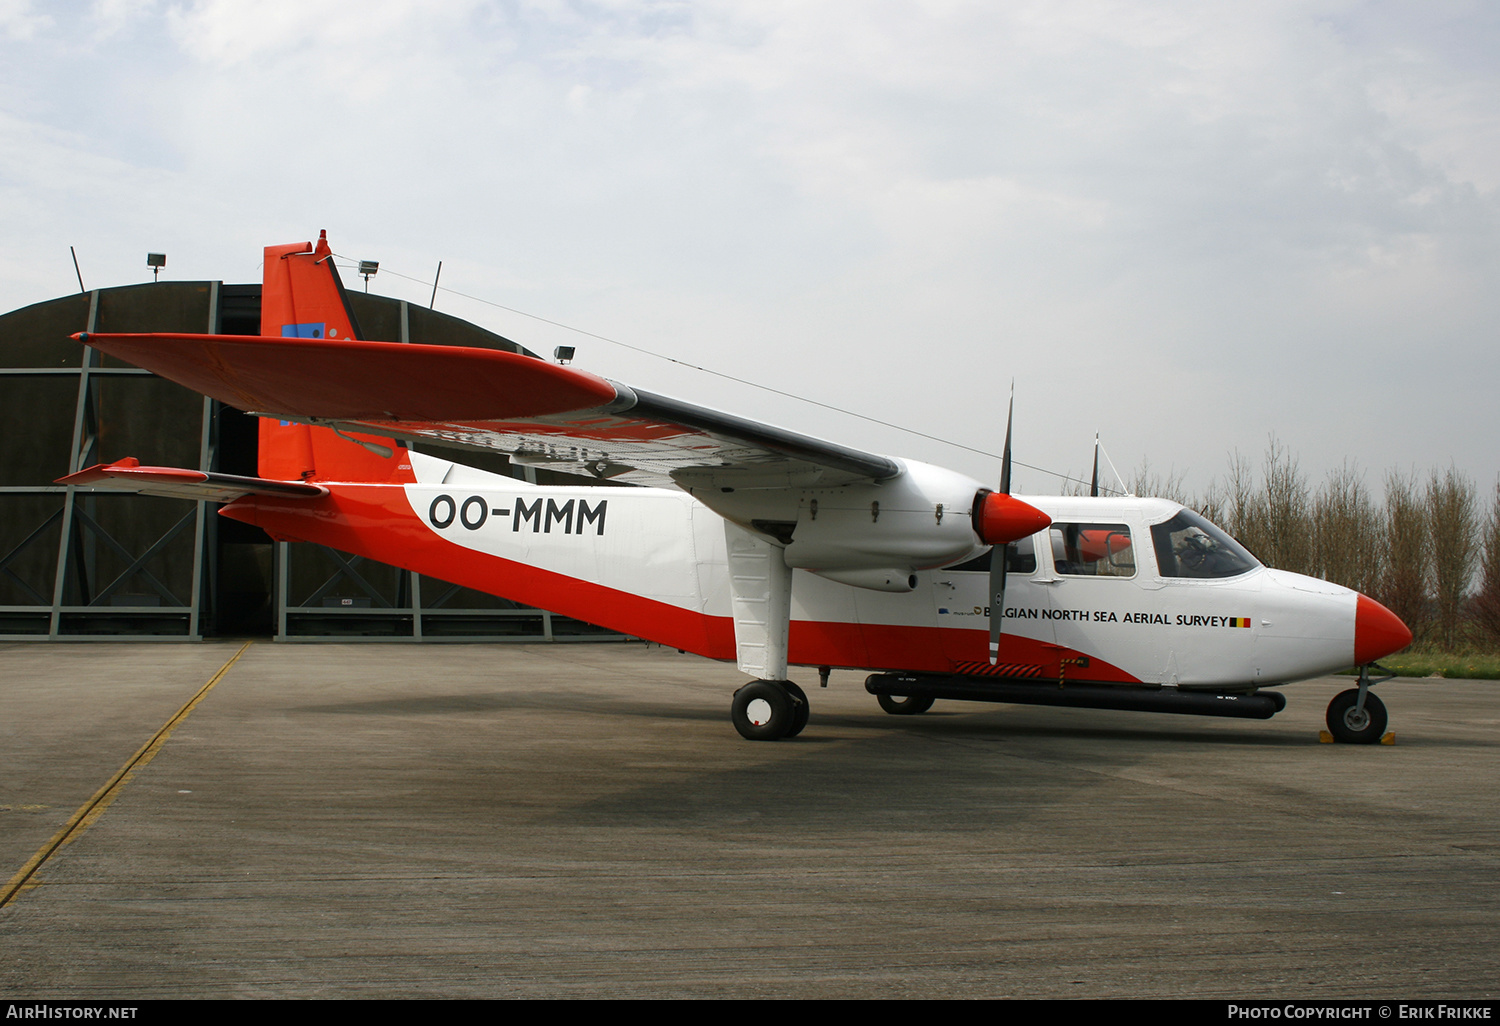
(406, 602)
(137, 567)
(10, 556)
(90, 359)
(82, 537)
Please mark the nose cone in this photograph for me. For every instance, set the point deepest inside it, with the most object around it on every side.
(1003, 518)
(1377, 631)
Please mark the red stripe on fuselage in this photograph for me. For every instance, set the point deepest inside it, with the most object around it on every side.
(377, 521)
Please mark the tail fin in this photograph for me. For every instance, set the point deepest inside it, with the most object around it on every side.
(302, 297)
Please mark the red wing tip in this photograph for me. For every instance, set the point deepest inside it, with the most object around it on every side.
(98, 470)
(130, 467)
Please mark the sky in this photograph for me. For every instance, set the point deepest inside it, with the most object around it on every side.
(1189, 227)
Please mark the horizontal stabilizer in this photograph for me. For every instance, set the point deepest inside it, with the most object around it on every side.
(128, 475)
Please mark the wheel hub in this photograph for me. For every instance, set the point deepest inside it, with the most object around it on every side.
(758, 712)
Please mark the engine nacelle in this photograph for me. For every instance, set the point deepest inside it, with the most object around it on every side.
(924, 517)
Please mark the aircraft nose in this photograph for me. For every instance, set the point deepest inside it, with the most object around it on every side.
(1377, 631)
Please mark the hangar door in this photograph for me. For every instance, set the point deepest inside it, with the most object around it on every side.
(79, 565)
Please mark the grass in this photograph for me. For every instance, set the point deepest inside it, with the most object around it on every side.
(1431, 662)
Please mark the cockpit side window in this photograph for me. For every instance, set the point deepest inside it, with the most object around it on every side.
(1190, 546)
(1092, 550)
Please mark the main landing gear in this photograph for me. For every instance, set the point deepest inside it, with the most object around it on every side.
(1356, 716)
(769, 710)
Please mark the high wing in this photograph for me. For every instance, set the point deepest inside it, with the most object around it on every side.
(128, 475)
(540, 413)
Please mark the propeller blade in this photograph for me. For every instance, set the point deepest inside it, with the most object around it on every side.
(1005, 453)
(998, 552)
(998, 564)
(1094, 487)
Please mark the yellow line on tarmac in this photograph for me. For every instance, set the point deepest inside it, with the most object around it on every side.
(95, 806)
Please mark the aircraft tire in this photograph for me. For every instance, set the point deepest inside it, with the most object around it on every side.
(763, 711)
(801, 711)
(904, 705)
(1356, 728)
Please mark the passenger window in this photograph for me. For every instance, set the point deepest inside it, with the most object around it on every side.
(1092, 550)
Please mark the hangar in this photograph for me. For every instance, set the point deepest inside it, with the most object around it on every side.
(76, 565)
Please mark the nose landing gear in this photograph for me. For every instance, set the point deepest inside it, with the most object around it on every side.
(1356, 716)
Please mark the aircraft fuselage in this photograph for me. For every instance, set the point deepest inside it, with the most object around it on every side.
(1086, 601)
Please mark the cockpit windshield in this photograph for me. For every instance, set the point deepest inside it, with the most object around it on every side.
(1190, 546)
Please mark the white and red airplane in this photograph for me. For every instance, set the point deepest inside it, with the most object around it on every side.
(748, 542)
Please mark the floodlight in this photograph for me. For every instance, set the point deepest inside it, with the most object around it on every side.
(563, 354)
(156, 261)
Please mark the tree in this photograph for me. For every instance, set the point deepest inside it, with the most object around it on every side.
(1454, 528)
(1288, 512)
(1348, 532)
(1244, 509)
(1404, 588)
(1486, 605)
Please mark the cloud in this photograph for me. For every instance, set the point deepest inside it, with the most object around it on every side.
(1181, 224)
(18, 22)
